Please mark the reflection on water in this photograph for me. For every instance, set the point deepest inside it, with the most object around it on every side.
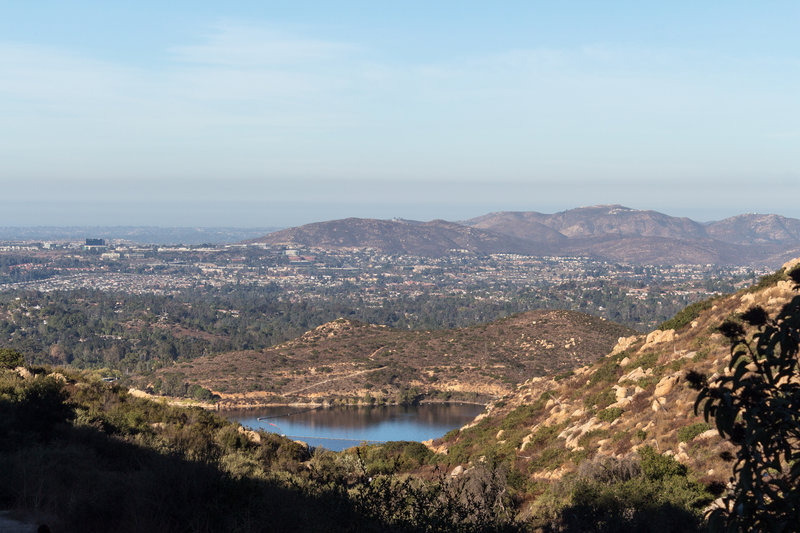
(338, 428)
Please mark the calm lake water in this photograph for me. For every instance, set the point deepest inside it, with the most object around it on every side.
(338, 428)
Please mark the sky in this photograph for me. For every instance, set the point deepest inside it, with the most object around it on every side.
(279, 113)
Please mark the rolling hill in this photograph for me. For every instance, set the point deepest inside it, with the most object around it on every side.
(609, 232)
(346, 360)
(399, 237)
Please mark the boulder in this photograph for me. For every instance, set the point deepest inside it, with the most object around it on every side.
(620, 391)
(635, 374)
(623, 343)
(57, 376)
(709, 434)
(23, 372)
(657, 337)
(666, 385)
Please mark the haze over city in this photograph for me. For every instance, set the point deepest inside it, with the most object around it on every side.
(253, 114)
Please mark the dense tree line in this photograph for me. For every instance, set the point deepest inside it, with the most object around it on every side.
(140, 332)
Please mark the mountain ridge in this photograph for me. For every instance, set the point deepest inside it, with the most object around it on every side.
(609, 232)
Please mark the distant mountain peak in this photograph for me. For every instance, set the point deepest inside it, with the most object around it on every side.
(610, 231)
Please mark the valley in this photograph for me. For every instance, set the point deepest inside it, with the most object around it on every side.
(578, 407)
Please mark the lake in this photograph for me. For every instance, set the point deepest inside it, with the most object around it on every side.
(337, 428)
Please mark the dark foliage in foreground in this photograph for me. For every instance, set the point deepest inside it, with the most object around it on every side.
(654, 493)
(86, 456)
(757, 408)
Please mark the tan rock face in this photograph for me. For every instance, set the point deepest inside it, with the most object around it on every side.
(252, 436)
(573, 434)
(658, 337)
(791, 263)
(623, 343)
(666, 385)
(710, 434)
(557, 417)
(635, 374)
(23, 372)
(621, 392)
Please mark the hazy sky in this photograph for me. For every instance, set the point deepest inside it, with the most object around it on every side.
(267, 113)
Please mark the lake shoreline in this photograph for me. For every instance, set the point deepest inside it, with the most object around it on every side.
(249, 404)
(325, 405)
(339, 427)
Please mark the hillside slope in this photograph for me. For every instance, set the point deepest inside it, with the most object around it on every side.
(756, 229)
(609, 232)
(434, 238)
(601, 220)
(634, 397)
(345, 359)
(619, 233)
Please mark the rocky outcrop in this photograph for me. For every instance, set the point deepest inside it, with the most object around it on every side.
(636, 396)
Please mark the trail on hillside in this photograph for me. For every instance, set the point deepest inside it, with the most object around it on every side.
(347, 376)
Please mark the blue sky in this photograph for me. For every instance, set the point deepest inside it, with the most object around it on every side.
(280, 113)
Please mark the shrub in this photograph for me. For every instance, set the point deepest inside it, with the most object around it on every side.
(519, 416)
(550, 459)
(609, 414)
(601, 399)
(34, 405)
(688, 314)
(769, 280)
(200, 393)
(607, 372)
(545, 435)
(656, 466)
(648, 360)
(10, 358)
(655, 493)
(392, 457)
(685, 434)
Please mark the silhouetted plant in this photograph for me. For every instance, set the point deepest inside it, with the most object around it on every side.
(757, 408)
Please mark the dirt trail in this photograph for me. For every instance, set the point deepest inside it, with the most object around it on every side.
(373, 354)
(347, 376)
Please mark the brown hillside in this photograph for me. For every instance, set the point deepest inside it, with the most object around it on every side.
(523, 225)
(757, 229)
(347, 359)
(610, 232)
(434, 238)
(635, 396)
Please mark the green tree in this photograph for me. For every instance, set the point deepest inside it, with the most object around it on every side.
(10, 358)
(757, 408)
